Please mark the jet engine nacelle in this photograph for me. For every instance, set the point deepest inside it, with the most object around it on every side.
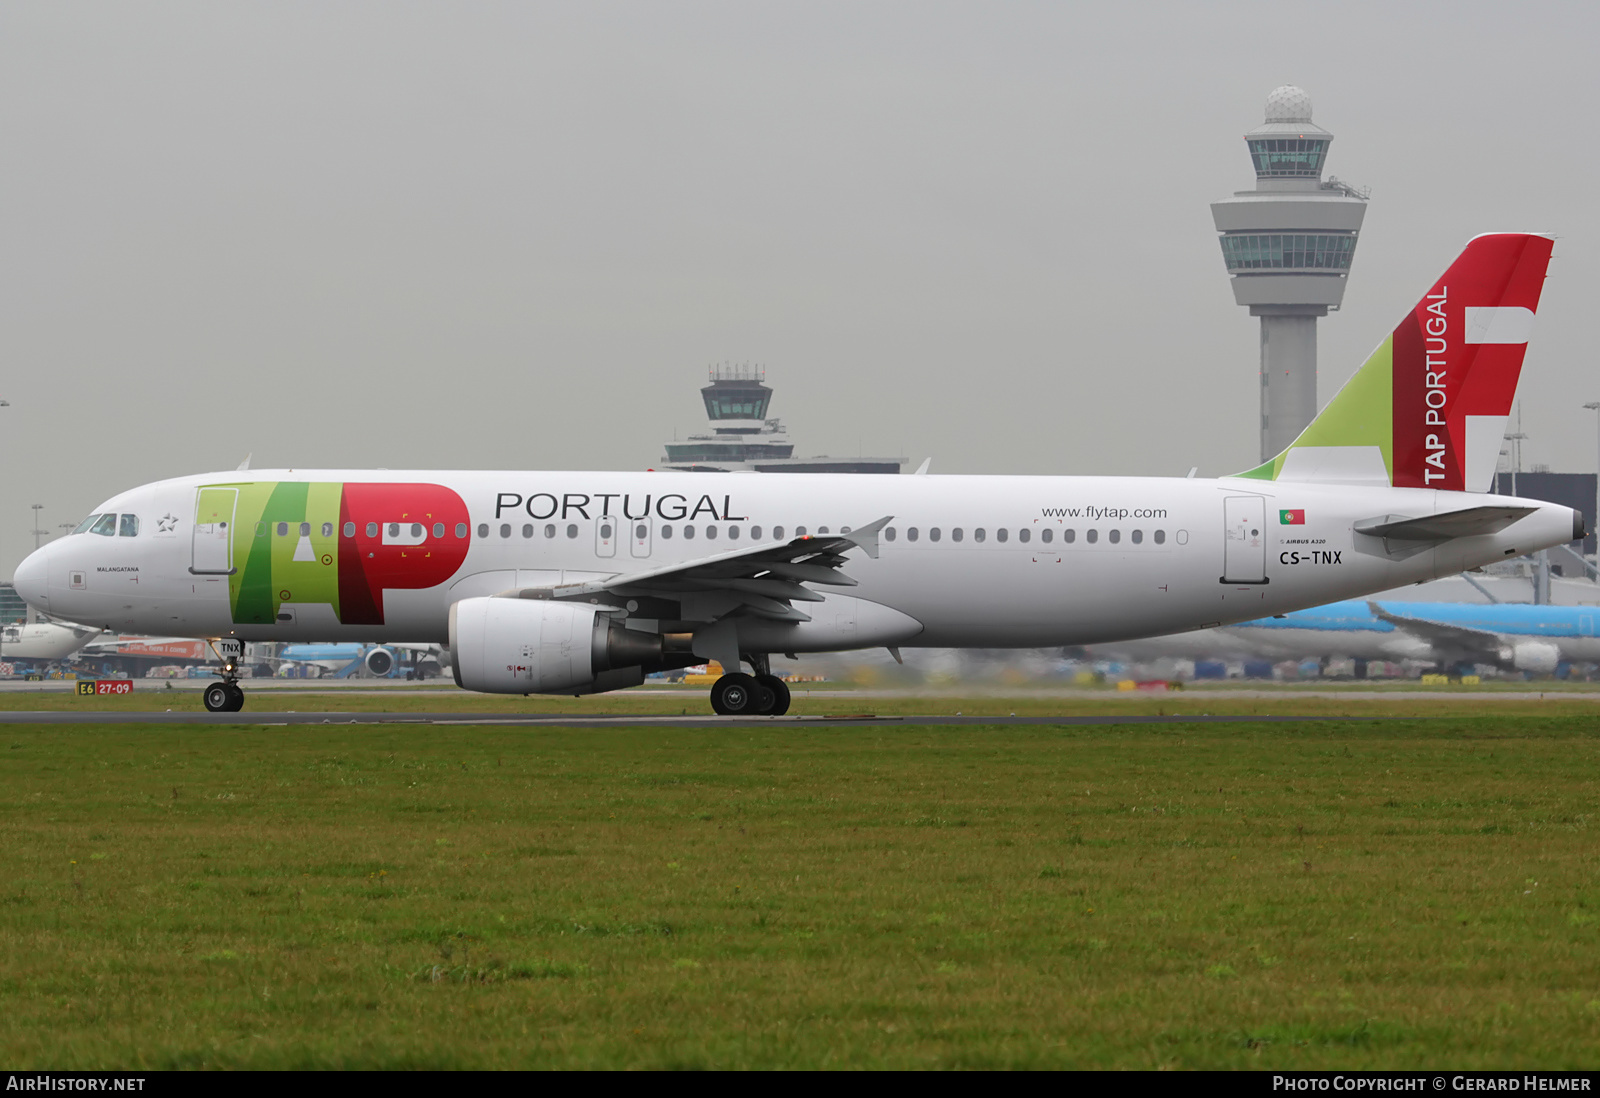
(535, 646)
(1540, 657)
(378, 662)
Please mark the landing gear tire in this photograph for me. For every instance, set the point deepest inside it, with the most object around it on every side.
(779, 692)
(735, 695)
(223, 697)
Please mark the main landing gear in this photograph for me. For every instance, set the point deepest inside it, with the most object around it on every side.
(760, 695)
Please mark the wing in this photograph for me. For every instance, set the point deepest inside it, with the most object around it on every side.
(1453, 641)
(764, 580)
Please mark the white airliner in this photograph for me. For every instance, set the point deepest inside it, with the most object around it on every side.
(43, 641)
(572, 583)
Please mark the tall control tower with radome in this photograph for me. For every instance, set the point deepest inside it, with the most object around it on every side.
(1288, 246)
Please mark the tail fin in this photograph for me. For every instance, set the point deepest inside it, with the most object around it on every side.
(1429, 408)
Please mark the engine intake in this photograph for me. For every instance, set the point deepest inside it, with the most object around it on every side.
(379, 662)
(535, 646)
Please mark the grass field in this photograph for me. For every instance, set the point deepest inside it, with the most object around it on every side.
(1382, 894)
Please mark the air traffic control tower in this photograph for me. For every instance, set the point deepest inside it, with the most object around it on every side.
(1288, 246)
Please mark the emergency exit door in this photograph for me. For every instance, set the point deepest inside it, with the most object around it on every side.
(1244, 555)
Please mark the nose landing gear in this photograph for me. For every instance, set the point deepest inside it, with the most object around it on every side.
(226, 696)
(760, 695)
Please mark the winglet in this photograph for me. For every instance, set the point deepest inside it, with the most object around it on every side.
(866, 537)
(245, 464)
(922, 470)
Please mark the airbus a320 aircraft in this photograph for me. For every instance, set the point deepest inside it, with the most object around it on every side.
(574, 583)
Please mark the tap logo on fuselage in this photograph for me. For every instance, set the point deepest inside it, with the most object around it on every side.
(342, 545)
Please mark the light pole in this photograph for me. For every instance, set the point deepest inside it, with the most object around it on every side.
(1594, 524)
(37, 533)
(4, 404)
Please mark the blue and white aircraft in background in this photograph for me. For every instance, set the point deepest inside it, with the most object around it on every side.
(415, 661)
(1449, 634)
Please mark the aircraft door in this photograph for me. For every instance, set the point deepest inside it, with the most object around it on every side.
(605, 536)
(212, 553)
(640, 535)
(1244, 558)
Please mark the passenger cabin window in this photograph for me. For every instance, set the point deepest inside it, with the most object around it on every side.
(372, 529)
(483, 529)
(349, 529)
(1137, 536)
(666, 531)
(912, 533)
(1024, 534)
(327, 529)
(1091, 536)
(777, 533)
(572, 529)
(305, 529)
(1161, 537)
(822, 530)
(755, 533)
(799, 531)
(438, 529)
(933, 533)
(1002, 534)
(106, 526)
(955, 535)
(688, 533)
(979, 534)
(733, 533)
(550, 530)
(888, 533)
(711, 532)
(1114, 536)
(1047, 535)
(129, 526)
(527, 529)
(416, 530)
(461, 529)
(1069, 536)
(283, 529)
(505, 529)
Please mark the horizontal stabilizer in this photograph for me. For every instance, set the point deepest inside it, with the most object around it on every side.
(1452, 524)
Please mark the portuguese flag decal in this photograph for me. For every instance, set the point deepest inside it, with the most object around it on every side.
(1291, 518)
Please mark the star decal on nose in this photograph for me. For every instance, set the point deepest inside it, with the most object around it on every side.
(167, 523)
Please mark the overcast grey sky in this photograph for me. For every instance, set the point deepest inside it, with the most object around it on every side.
(515, 235)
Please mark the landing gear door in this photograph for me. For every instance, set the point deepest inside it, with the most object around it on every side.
(1244, 557)
(640, 535)
(213, 532)
(605, 536)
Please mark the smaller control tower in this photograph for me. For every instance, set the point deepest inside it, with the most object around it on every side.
(1288, 245)
(744, 440)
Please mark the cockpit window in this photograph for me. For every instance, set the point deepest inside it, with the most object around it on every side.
(129, 527)
(83, 527)
(105, 527)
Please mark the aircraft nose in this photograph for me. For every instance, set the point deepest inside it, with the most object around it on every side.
(31, 579)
